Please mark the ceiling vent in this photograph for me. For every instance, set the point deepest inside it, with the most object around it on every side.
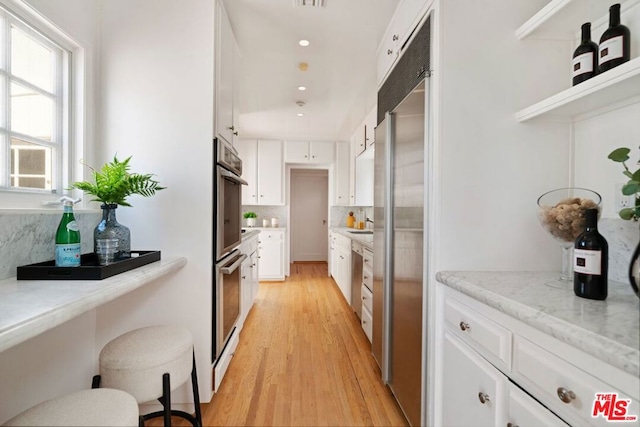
(311, 3)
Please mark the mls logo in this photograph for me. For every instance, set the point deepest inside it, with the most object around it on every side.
(611, 408)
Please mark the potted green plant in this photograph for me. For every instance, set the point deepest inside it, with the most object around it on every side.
(111, 186)
(251, 218)
(631, 213)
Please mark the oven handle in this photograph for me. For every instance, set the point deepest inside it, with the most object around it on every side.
(230, 269)
(231, 176)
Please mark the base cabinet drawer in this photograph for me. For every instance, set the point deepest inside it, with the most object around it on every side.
(525, 411)
(483, 334)
(367, 323)
(562, 387)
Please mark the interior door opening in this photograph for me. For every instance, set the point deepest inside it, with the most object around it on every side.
(309, 214)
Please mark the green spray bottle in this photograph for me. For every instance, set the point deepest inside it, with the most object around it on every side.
(68, 237)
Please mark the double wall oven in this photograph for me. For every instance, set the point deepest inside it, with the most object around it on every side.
(227, 230)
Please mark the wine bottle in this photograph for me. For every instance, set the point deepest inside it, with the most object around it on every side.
(591, 260)
(615, 43)
(67, 238)
(585, 57)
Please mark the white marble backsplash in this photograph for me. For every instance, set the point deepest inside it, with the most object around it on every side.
(339, 214)
(27, 238)
(266, 212)
(622, 237)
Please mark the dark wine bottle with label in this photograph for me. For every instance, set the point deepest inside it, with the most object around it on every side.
(591, 260)
(585, 57)
(615, 43)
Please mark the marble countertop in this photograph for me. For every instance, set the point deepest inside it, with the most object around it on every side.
(365, 239)
(608, 330)
(30, 307)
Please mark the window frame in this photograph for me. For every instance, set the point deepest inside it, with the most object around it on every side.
(71, 112)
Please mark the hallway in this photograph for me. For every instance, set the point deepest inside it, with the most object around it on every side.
(303, 359)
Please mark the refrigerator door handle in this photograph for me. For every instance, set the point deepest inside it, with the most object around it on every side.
(388, 250)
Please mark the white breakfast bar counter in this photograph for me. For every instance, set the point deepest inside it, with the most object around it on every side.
(609, 330)
(31, 307)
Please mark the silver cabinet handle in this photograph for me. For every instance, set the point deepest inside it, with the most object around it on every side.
(231, 127)
(565, 395)
(389, 51)
(464, 326)
(366, 277)
(484, 398)
(395, 37)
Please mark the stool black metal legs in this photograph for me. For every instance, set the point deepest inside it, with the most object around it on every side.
(165, 400)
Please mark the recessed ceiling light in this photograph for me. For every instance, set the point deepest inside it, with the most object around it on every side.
(300, 114)
(304, 43)
(302, 88)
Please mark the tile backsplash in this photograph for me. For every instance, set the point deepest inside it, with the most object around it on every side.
(266, 212)
(27, 238)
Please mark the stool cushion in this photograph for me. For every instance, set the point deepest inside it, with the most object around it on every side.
(95, 407)
(136, 361)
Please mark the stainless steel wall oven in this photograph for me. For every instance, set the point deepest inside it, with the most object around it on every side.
(227, 236)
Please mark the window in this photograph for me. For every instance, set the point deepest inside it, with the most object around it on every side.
(34, 105)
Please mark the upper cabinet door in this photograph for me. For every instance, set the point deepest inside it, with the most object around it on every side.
(322, 152)
(225, 56)
(248, 152)
(270, 172)
(297, 152)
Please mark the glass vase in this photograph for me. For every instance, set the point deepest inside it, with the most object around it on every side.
(110, 228)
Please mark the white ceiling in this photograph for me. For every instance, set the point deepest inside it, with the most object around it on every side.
(341, 78)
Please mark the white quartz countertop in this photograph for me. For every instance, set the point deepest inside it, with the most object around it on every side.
(365, 239)
(30, 307)
(608, 330)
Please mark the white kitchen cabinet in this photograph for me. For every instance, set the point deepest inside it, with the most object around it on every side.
(406, 18)
(525, 411)
(370, 124)
(263, 169)
(358, 141)
(343, 265)
(367, 308)
(249, 277)
(226, 57)
(333, 255)
(344, 194)
(530, 378)
(473, 391)
(271, 253)
(315, 152)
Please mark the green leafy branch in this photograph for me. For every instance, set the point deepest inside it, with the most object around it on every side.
(114, 183)
(632, 187)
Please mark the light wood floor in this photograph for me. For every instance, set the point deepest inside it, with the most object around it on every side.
(303, 360)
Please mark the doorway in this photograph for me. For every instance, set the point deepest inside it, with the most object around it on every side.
(309, 213)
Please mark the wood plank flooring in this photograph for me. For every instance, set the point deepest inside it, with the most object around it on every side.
(303, 360)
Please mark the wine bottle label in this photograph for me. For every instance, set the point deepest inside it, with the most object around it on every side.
(610, 49)
(68, 255)
(73, 226)
(583, 64)
(586, 261)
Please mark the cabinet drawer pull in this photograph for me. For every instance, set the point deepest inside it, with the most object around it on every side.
(565, 395)
(464, 326)
(512, 425)
(389, 51)
(484, 398)
(366, 277)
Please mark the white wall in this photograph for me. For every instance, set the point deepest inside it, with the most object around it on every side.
(156, 93)
(492, 169)
(60, 360)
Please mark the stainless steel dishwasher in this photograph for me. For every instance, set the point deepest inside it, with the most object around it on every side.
(356, 278)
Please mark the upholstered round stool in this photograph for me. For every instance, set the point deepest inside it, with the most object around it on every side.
(149, 363)
(99, 407)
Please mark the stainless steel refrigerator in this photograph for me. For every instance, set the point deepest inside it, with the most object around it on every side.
(399, 250)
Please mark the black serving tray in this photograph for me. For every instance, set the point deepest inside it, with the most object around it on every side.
(89, 268)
